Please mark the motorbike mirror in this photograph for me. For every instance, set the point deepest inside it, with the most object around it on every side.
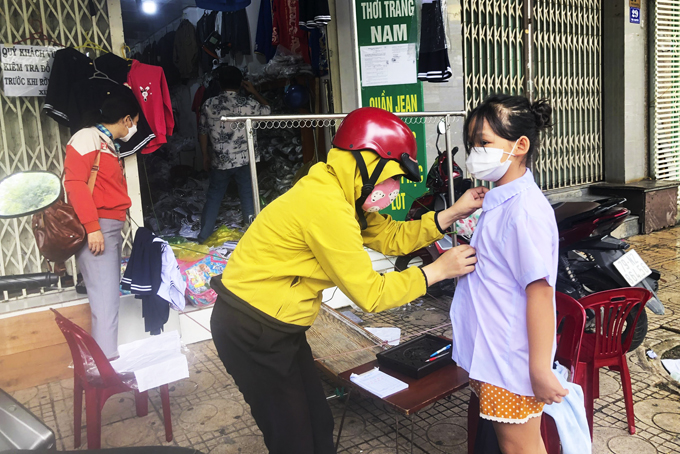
(441, 127)
(25, 193)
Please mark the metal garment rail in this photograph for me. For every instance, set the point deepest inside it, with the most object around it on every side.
(279, 121)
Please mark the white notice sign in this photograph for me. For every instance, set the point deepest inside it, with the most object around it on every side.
(632, 267)
(394, 64)
(26, 69)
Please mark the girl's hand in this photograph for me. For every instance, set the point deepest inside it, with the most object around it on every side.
(95, 241)
(547, 387)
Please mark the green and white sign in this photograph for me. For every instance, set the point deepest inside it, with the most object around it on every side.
(387, 34)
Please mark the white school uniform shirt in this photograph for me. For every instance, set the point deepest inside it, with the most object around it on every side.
(516, 241)
(172, 286)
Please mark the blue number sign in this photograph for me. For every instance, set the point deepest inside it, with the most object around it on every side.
(634, 15)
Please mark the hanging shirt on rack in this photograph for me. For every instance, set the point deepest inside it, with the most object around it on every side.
(143, 278)
(204, 27)
(185, 54)
(117, 69)
(263, 36)
(286, 28)
(68, 68)
(433, 58)
(149, 87)
(235, 32)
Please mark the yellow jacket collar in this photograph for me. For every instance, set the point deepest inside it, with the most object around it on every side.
(343, 165)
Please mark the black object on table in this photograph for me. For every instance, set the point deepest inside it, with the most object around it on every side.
(411, 358)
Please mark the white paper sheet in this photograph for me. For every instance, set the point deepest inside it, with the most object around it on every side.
(389, 335)
(155, 361)
(394, 64)
(379, 383)
(671, 365)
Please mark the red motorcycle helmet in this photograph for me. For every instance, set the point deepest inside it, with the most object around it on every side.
(371, 128)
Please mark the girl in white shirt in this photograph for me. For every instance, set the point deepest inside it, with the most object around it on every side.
(503, 313)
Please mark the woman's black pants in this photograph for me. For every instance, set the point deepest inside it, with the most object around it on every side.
(275, 372)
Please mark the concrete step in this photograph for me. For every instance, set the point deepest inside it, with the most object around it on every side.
(630, 227)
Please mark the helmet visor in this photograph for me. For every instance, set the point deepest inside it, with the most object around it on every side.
(411, 167)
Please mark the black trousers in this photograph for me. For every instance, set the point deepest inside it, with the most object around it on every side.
(275, 372)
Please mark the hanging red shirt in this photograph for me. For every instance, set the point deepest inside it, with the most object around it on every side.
(151, 90)
(286, 29)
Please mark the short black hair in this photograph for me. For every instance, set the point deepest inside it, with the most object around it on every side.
(230, 77)
(510, 117)
(113, 109)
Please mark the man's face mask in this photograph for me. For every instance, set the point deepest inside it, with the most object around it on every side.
(382, 196)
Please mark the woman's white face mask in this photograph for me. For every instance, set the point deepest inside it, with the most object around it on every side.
(485, 163)
(131, 132)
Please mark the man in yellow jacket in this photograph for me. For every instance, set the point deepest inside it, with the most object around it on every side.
(310, 239)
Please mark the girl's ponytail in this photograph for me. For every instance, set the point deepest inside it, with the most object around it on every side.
(543, 113)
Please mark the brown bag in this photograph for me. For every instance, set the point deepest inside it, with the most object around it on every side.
(57, 229)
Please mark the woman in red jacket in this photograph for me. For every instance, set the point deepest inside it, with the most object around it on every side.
(102, 210)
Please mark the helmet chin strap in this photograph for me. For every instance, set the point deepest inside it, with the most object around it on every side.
(368, 184)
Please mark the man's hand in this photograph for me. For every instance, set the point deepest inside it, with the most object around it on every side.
(95, 242)
(455, 262)
(248, 86)
(547, 387)
(467, 204)
(206, 163)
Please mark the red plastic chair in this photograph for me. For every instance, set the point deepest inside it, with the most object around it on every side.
(570, 322)
(605, 347)
(99, 388)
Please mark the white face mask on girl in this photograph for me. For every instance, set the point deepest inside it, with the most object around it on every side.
(485, 163)
(131, 132)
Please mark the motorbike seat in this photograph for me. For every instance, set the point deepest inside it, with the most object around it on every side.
(569, 213)
(567, 210)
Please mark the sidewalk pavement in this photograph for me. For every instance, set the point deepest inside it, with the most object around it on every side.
(210, 415)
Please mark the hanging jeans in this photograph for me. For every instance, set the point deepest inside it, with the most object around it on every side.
(101, 274)
(219, 182)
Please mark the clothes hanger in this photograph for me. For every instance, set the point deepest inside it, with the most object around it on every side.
(125, 51)
(100, 75)
(40, 36)
(90, 45)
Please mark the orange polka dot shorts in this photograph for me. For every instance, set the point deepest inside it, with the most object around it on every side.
(500, 405)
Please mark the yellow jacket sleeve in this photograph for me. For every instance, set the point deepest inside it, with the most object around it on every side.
(391, 237)
(336, 242)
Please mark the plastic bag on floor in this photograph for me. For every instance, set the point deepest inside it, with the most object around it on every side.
(222, 235)
(189, 252)
(197, 277)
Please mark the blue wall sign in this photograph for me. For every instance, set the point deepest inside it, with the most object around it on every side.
(634, 15)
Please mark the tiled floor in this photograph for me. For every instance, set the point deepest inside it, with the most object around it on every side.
(209, 413)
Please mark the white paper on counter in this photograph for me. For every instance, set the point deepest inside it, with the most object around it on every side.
(389, 335)
(155, 361)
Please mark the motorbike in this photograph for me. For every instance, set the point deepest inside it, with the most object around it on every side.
(588, 253)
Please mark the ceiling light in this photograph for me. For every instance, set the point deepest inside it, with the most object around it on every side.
(149, 7)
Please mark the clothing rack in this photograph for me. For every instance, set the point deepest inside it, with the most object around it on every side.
(158, 34)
